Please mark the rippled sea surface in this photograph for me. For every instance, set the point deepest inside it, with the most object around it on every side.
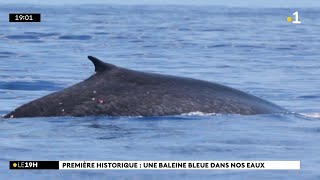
(254, 50)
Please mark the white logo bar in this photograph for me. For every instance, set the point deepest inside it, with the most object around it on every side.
(183, 165)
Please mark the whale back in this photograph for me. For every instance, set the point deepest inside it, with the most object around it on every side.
(117, 91)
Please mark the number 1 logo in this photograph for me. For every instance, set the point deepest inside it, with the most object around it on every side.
(296, 19)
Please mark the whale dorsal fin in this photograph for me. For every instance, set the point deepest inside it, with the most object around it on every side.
(100, 65)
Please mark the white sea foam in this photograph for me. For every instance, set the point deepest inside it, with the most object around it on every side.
(198, 113)
(312, 115)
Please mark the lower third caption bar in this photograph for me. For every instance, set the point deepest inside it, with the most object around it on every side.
(157, 165)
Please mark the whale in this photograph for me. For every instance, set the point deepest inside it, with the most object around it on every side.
(118, 91)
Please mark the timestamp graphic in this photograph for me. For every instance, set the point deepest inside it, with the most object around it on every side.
(24, 17)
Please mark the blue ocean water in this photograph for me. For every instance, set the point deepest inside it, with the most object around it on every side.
(254, 50)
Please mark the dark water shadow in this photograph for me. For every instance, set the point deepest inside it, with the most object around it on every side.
(75, 37)
(30, 86)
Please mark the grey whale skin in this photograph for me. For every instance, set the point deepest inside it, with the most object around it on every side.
(116, 91)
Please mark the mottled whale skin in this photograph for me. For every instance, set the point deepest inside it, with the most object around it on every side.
(116, 91)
